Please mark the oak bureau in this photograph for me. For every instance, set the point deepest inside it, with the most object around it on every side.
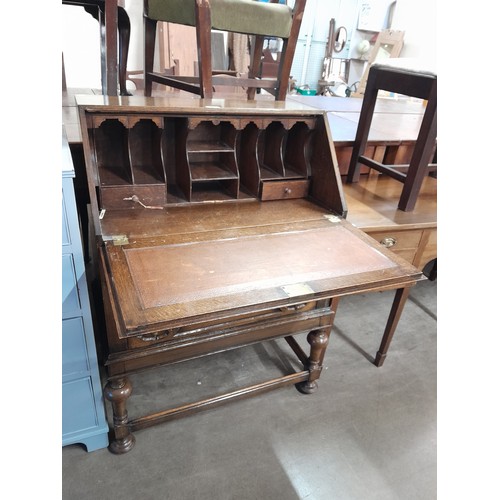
(219, 224)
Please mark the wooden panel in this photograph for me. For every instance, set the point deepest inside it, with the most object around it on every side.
(175, 274)
(427, 250)
(178, 44)
(167, 285)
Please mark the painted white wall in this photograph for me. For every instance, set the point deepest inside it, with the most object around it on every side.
(80, 36)
(419, 22)
(81, 45)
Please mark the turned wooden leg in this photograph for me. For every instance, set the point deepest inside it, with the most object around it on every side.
(117, 391)
(318, 340)
(392, 323)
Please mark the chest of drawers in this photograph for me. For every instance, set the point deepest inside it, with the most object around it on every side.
(83, 416)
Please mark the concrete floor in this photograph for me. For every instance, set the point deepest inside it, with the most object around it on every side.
(367, 434)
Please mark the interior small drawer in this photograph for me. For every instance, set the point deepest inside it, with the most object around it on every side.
(133, 196)
(398, 240)
(282, 190)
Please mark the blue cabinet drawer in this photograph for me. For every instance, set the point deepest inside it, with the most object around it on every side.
(66, 240)
(78, 406)
(70, 294)
(74, 348)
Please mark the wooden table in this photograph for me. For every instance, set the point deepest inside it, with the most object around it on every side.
(394, 130)
(373, 207)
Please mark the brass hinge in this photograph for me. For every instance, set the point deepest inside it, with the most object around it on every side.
(120, 239)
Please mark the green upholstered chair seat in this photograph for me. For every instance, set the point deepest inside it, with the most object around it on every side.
(239, 16)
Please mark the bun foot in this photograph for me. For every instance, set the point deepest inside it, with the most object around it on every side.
(307, 387)
(121, 446)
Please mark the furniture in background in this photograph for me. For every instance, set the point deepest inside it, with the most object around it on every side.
(260, 19)
(217, 228)
(83, 414)
(400, 76)
(372, 204)
(387, 45)
(372, 201)
(113, 19)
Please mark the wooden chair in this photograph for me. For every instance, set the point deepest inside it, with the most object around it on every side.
(252, 17)
(400, 76)
(96, 8)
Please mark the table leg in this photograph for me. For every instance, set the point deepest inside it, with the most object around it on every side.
(392, 323)
(117, 391)
(318, 340)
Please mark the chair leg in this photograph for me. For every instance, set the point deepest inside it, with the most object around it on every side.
(204, 41)
(149, 53)
(364, 124)
(255, 62)
(104, 68)
(424, 147)
(123, 45)
(289, 46)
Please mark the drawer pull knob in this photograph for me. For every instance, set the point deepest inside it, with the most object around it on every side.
(389, 242)
(288, 190)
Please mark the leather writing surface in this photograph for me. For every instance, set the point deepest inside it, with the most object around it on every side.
(170, 274)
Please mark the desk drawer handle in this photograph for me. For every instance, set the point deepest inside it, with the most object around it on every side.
(296, 307)
(389, 242)
(152, 337)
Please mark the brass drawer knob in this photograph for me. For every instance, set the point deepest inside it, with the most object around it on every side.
(389, 242)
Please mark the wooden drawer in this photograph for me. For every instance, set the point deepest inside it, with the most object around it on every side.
(403, 243)
(428, 250)
(282, 190)
(398, 240)
(199, 330)
(121, 196)
(180, 345)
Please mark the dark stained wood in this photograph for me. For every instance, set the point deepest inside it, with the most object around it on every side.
(395, 314)
(416, 84)
(281, 190)
(203, 84)
(189, 278)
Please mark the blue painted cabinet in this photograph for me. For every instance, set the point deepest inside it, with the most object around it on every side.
(83, 412)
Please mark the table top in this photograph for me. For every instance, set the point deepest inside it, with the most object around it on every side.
(353, 104)
(372, 204)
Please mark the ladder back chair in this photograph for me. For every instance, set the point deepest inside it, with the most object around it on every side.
(252, 17)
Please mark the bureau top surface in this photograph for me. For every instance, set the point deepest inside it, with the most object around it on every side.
(216, 261)
(174, 105)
